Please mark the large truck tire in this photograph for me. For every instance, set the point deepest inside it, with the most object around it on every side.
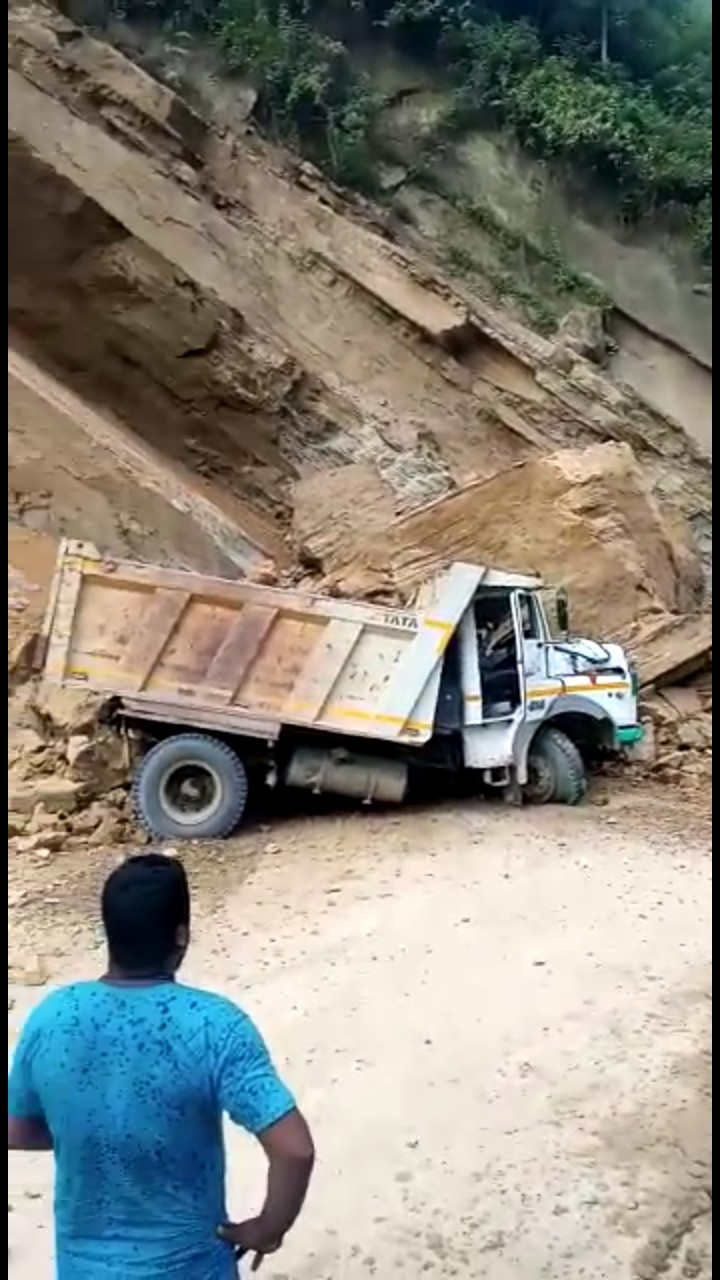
(190, 787)
(556, 771)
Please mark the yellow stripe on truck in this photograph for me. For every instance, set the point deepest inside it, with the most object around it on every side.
(587, 687)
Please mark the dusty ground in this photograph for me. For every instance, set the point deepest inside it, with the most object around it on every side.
(498, 1023)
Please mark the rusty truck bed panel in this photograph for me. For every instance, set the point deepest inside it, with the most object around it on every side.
(193, 649)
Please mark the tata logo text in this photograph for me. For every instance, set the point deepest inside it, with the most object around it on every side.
(403, 621)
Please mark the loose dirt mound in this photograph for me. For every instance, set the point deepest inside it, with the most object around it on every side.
(582, 518)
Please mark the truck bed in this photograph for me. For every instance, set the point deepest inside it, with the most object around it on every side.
(190, 649)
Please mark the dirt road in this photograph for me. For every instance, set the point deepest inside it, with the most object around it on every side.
(497, 1021)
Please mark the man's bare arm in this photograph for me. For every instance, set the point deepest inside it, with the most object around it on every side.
(28, 1134)
(289, 1148)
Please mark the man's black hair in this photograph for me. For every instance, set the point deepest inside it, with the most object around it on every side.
(144, 903)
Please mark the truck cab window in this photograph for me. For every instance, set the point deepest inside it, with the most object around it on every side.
(529, 620)
(497, 653)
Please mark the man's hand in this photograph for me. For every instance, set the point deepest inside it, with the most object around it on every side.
(290, 1152)
(252, 1236)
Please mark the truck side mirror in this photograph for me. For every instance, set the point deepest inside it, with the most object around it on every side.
(562, 611)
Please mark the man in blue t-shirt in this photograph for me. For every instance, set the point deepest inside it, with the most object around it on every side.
(126, 1080)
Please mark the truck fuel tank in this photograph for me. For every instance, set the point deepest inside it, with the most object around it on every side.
(346, 773)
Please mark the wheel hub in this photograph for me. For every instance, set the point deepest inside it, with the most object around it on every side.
(541, 781)
(190, 792)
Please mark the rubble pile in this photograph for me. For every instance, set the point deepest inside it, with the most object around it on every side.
(678, 726)
(67, 772)
(674, 660)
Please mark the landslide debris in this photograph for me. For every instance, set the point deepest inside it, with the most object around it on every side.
(583, 518)
(67, 772)
(674, 659)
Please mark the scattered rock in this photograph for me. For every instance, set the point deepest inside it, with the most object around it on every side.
(23, 742)
(57, 795)
(112, 830)
(100, 761)
(645, 751)
(43, 840)
(42, 821)
(681, 728)
(86, 822)
(695, 734)
(685, 700)
(68, 712)
(17, 824)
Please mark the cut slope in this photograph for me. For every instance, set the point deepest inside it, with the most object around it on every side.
(253, 327)
(73, 471)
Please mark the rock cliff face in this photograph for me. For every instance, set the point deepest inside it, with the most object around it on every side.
(256, 330)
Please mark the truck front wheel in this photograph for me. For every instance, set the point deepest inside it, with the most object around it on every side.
(190, 787)
(555, 770)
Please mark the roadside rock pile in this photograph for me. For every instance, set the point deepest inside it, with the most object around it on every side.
(678, 724)
(67, 772)
(673, 657)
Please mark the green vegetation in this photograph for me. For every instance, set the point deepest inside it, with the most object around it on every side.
(308, 89)
(620, 88)
(534, 273)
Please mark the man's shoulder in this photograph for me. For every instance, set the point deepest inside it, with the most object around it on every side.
(69, 994)
(211, 1005)
(228, 1025)
(52, 1007)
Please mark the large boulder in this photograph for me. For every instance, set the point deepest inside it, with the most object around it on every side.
(582, 332)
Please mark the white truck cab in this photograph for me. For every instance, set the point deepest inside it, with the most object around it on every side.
(518, 676)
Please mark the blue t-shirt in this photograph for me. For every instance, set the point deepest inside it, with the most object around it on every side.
(132, 1082)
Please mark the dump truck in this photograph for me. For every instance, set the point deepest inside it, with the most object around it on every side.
(227, 682)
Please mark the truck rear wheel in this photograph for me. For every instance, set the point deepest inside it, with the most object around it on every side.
(555, 770)
(190, 787)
